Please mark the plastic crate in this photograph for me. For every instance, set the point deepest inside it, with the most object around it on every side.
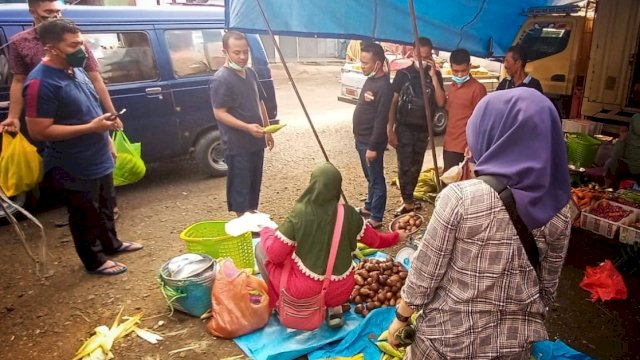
(582, 149)
(629, 235)
(209, 237)
(602, 226)
(581, 126)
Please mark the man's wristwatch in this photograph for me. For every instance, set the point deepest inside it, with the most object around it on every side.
(402, 318)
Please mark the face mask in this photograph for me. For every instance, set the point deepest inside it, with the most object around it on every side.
(77, 59)
(234, 66)
(372, 74)
(460, 80)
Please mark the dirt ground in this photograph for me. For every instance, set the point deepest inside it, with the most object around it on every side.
(48, 319)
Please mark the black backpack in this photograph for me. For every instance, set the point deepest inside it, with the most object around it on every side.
(410, 111)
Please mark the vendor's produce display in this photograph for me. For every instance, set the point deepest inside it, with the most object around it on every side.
(363, 250)
(628, 198)
(608, 211)
(586, 196)
(409, 222)
(378, 283)
(606, 217)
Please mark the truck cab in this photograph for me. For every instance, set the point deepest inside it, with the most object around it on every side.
(586, 58)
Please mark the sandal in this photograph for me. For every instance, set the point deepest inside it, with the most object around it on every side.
(363, 211)
(403, 209)
(128, 247)
(374, 224)
(334, 318)
(108, 271)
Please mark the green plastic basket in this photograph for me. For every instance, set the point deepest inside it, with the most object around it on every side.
(209, 237)
(582, 149)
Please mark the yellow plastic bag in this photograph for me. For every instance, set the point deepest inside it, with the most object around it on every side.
(20, 165)
(130, 167)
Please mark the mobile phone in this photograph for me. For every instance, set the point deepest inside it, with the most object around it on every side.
(114, 116)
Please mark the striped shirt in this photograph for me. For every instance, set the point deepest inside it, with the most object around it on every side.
(480, 297)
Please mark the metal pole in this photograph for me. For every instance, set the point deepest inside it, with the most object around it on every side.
(295, 89)
(423, 81)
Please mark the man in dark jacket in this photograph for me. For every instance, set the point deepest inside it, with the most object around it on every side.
(369, 128)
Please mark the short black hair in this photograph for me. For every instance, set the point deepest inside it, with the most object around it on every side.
(518, 53)
(376, 50)
(231, 35)
(34, 3)
(425, 42)
(460, 57)
(53, 31)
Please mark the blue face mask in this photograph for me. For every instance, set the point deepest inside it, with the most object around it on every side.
(460, 79)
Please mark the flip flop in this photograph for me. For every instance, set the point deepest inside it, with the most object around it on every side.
(106, 271)
(374, 224)
(403, 210)
(363, 211)
(128, 247)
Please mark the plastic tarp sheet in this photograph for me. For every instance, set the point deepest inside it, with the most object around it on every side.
(556, 350)
(275, 342)
(450, 24)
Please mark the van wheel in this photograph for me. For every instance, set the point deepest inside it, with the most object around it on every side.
(19, 200)
(440, 121)
(209, 154)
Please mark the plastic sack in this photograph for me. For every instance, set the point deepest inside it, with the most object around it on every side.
(20, 165)
(130, 167)
(558, 350)
(604, 282)
(239, 302)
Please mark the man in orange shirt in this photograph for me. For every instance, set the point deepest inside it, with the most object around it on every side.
(464, 95)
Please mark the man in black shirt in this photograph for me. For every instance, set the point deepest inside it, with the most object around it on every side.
(514, 64)
(407, 124)
(238, 105)
(369, 129)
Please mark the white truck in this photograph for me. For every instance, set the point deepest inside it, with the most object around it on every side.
(586, 58)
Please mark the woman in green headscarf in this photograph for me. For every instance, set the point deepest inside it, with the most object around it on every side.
(304, 240)
(625, 160)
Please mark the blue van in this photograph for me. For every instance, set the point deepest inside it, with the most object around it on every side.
(156, 63)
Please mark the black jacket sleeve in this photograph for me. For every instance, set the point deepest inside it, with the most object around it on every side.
(383, 103)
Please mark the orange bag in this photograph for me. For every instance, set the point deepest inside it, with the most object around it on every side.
(240, 303)
(604, 282)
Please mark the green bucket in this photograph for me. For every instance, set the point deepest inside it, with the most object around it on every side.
(581, 149)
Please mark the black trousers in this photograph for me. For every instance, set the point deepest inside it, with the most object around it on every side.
(451, 159)
(412, 146)
(90, 204)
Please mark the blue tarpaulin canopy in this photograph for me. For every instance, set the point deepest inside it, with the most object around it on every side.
(450, 24)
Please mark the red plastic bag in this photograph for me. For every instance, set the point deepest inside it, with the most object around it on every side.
(240, 303)
(604, 282)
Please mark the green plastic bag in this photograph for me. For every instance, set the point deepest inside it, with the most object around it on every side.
(130, 167)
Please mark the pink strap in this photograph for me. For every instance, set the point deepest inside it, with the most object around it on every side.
(335, 242)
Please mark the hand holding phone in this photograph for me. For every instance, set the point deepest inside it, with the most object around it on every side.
(116, 115)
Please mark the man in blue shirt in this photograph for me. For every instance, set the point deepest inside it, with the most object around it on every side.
(63, 109)
(237, 100)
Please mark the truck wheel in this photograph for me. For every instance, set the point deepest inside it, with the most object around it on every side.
(19, 200)
(209, 154)
(440, 121)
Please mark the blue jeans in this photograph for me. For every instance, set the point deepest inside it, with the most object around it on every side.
(377, 190)
(244, 179)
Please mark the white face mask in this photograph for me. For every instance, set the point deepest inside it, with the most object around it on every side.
(234, 66)
(372, 74)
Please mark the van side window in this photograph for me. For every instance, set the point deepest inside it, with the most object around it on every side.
(195, 52)
(124, 57)
(544, 40)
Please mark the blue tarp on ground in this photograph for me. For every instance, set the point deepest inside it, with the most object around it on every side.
(274, 342)
(450, 24)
